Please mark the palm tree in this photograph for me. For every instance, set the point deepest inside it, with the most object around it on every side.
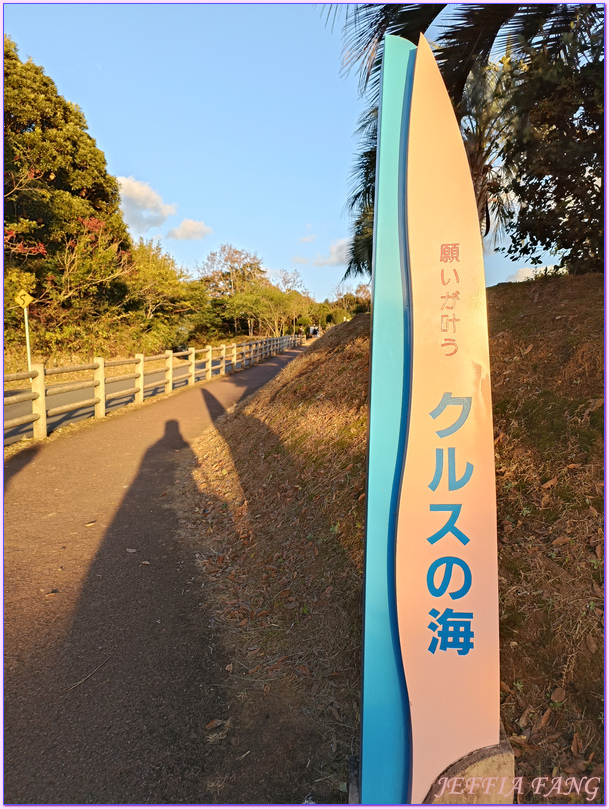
(468, 35)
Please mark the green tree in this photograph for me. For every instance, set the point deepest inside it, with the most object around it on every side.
(338, 315)
(156, 286)
(556, 151)
(469, 34)
(54, 174)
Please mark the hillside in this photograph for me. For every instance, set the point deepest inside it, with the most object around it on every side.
(276, 503)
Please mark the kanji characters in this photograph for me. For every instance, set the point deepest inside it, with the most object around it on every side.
(445, 320)
(449, 252)
(454, 631)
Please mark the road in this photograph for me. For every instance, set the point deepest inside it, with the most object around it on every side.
(80, 413)
(113, 666)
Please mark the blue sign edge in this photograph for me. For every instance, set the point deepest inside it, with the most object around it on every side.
(385, 766)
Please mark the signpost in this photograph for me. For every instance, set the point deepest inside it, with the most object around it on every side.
(430, 689)
(23, 299)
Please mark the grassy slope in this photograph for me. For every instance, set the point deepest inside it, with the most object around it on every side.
(280, 487)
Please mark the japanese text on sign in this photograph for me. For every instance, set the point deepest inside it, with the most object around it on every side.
(449, 253)
(450, 575)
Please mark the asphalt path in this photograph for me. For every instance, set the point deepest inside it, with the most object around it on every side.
(113, 666)
(79, 413)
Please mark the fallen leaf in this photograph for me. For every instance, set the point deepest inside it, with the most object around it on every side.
(527, 349)
(334, 713)
(315, 551)
(558, 695)
(573, 465)
(229, 667)
(576, 745)
(255, 669)
(549, 483)
(213, 724)
(361, 497)
(591, 643)
(349, 468)
(524, 719)
(90, 523)
(544, 720)
(504, 687)
(243, 622)
(561, 541)
(599, 551)
(303, 669)
(291, 605)
(145, 563)
(597, 590)
(577, 766)
(342, 786)
(131, 550)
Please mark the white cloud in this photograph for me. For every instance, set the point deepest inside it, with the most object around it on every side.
(523, 274)
(526, 273)
(310, 238)
(338, 255)
(190, 231)
(142, 207)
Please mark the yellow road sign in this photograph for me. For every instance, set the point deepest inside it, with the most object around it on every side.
(23, 298)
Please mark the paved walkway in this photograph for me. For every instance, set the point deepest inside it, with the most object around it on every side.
(112, 668)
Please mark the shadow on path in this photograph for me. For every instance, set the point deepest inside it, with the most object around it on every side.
(14, 465)
(140, 645)
(287, 750)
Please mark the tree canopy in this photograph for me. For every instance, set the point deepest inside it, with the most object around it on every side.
(555, 150)
(511, 168)
(54, 175)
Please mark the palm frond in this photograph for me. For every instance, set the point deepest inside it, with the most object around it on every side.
(367, 24)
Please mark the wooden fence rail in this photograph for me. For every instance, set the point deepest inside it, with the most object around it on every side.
(193, 365)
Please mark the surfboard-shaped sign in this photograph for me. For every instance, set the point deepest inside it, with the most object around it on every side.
(441, 548)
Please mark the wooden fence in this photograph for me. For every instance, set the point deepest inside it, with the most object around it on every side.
(194, 365)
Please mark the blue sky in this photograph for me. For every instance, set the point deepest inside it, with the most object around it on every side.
(226, 123)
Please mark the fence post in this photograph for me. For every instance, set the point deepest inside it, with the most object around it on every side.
(139, 369)
(168, 371)
(99, 376)
(39, 405)
(208, 361)
(191, 366)
(234, 358)
(222, 359)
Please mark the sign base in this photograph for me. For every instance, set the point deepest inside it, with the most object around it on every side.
(485, 776)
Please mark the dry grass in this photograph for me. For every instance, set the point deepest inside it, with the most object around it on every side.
(279, 487)
(547, 366)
